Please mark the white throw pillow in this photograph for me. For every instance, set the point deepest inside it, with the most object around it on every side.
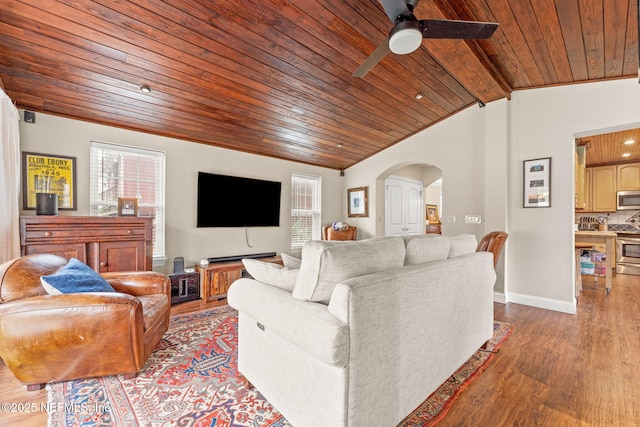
(426, 248)
(290, 261)
(462, 244)
(271, 274)
(327, 263)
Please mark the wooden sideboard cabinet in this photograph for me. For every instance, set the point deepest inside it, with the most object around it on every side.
(103, 243)
(215, 278)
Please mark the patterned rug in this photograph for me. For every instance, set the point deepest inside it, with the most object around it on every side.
(191, 379)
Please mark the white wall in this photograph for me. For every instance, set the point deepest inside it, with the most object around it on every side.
(456, 147)
(544, 123)
(480, 152)
(55, 135)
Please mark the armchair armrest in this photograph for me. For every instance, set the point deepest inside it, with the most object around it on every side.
(57, 337)
(139, 282)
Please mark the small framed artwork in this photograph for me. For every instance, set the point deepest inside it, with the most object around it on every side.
(358, 202)
(47, 173)
(432, 214)
(127, 206)
(537, 183)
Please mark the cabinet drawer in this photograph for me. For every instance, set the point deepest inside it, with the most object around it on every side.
(38, 233)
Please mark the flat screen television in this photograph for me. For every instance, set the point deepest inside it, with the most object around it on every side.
(233, 201)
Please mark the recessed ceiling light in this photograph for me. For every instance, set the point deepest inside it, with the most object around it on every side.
(144, 89)
(626, 155)
(629, 142)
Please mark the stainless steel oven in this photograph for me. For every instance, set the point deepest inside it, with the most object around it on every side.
(628, 254)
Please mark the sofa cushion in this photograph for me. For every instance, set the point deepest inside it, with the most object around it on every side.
(75, 277)
(425, 248)
(271, 274)
(290, 261)
(462, 244)
(327, 263)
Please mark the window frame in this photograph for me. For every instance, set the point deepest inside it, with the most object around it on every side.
(98, 148)
(315, 212)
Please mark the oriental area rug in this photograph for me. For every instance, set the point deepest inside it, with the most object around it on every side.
(191, 379)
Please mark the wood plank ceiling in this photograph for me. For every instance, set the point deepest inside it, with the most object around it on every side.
(274, 77)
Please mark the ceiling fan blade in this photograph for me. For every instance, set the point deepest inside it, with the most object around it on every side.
(445, 29)
(381, 51)
(393, 8)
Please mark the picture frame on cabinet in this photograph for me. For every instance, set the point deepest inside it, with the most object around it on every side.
(127, 206)
(48, 173)
(537, 183)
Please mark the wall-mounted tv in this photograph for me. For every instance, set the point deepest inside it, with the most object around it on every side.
(233, 201)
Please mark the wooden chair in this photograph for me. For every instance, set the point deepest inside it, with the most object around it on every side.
(493, 242)
(329, 233)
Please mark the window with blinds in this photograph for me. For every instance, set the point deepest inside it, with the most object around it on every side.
(122, 171)
(305, 209)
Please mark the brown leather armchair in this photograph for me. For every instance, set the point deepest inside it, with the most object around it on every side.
(48, 338)
(329, 233)
(493, 242)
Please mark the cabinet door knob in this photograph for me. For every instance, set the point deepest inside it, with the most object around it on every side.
(48, 233)
(103, 264)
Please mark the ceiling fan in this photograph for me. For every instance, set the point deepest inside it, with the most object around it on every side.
(407, 34)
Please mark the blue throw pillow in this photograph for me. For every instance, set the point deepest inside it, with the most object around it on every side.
(74, 277)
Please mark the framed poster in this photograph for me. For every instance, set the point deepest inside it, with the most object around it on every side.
(358, 202)
(46, 173)
(537, 183)
(432, 214)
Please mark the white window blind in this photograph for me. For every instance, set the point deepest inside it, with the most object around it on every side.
(122, 171)
(305, 208)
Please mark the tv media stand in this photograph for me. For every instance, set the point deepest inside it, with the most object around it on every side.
(216, 277)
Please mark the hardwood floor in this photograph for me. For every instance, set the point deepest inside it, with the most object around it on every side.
(555, 370)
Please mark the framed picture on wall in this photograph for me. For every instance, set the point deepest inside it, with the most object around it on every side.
(48, 173)
(358, 202)
(432, 214)
(537, 183)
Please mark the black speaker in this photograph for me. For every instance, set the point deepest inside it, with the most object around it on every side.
(46, 204)
(178, 265)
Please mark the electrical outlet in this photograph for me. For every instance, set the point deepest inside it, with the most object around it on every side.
(473, 219)
(451, 218)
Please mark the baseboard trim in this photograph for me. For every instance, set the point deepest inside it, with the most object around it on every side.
(540, 302)
(499, 297)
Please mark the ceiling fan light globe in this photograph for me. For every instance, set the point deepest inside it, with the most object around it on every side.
(405, 40)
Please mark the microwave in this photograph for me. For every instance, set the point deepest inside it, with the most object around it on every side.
(628, 200)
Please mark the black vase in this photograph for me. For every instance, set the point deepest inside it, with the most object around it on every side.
(46, 204)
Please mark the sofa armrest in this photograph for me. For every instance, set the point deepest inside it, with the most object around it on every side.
(139, 282)
(53, 337)
(308, 325)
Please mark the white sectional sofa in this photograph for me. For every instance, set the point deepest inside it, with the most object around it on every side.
(364, 331)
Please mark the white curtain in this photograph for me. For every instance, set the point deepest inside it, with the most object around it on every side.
(9, 179)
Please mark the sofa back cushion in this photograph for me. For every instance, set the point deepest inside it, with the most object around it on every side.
(425, 248)
(327, 263)
(462, 244)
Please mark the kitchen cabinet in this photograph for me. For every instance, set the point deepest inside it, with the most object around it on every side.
(628, 176)
(103, 243)
(601, 189)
